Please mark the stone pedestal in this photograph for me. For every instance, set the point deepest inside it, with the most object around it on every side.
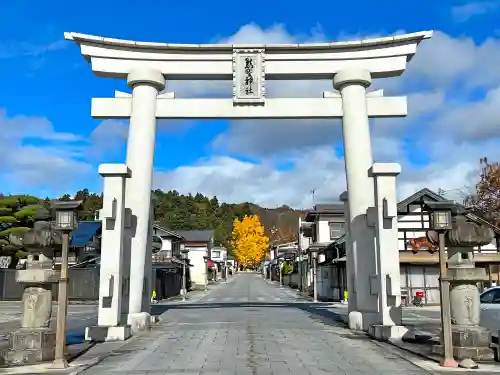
(390, 332)
(469, 342)
(29, 346)
(103, 334)
(34, 342)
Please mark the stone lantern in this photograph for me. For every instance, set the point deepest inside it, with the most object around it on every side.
(34, 342)
(470, 340)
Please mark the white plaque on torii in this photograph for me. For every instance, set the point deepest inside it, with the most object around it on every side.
(249, 76)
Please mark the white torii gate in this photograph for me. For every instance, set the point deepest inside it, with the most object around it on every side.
(351, 66)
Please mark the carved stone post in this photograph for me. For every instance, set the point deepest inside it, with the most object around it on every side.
(110, 325)
(386, 282)
(470, 340)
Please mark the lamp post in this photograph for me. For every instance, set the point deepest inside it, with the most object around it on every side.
(66, 221)
(184, 253)
(205, 259)
(440, 224)
(280, 268)
(314, 257)
(224, 273)
(299, 250)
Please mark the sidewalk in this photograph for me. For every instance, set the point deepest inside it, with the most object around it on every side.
(85, 355)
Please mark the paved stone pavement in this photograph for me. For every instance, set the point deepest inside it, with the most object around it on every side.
(249, 326)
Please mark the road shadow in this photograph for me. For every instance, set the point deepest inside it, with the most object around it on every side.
(317, 311)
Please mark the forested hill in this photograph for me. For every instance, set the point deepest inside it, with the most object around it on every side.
(177, 211)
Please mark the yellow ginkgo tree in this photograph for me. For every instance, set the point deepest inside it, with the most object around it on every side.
(249, 241)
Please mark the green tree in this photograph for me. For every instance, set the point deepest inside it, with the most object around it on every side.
(91, 203)
(486, 198)
(18, 213)
(196, 211)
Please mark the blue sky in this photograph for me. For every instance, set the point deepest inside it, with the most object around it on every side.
(50, 145)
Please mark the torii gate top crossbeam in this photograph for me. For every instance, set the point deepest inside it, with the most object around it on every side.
(382, 57)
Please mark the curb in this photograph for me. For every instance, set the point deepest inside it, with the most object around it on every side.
(98, 359)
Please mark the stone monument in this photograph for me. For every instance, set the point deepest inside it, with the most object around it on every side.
(34, 341)
(471, 342)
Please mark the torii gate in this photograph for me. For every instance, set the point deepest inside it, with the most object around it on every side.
(350, 65)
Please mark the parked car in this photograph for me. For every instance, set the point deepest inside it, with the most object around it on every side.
(490, 309)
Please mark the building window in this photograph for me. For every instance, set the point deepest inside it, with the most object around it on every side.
(215, 254)
(336, 230)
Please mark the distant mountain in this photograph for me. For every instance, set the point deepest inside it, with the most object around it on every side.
(281, 223)
(178, 211)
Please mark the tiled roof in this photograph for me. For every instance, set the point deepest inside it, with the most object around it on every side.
(197, 235)
(167, 231)
(84, 232)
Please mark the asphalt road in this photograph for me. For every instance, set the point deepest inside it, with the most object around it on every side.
(79, 317)
(249, 326)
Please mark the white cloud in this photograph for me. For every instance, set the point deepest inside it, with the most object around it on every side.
(452, 63)
(463, 13)
(34, 156)
(453, 167)
(477, 120)
(438, 145)
(29, 49)
(237, 181)
(450, 126)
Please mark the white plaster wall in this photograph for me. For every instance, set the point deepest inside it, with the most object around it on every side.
(166, 244)
(271, 254)
(323, 230)
(198, 270)
(305, 242)
(323, 227)
(222, 254)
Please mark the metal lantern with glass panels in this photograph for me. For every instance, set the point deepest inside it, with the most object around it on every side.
(184, 251)
(314, 253)
(440, 215)
(66, 215)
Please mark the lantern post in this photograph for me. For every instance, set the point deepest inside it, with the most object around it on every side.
(185, 260)
(440, 224)
(66, 220)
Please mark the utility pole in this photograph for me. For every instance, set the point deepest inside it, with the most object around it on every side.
(299, 248)
(313, 193)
